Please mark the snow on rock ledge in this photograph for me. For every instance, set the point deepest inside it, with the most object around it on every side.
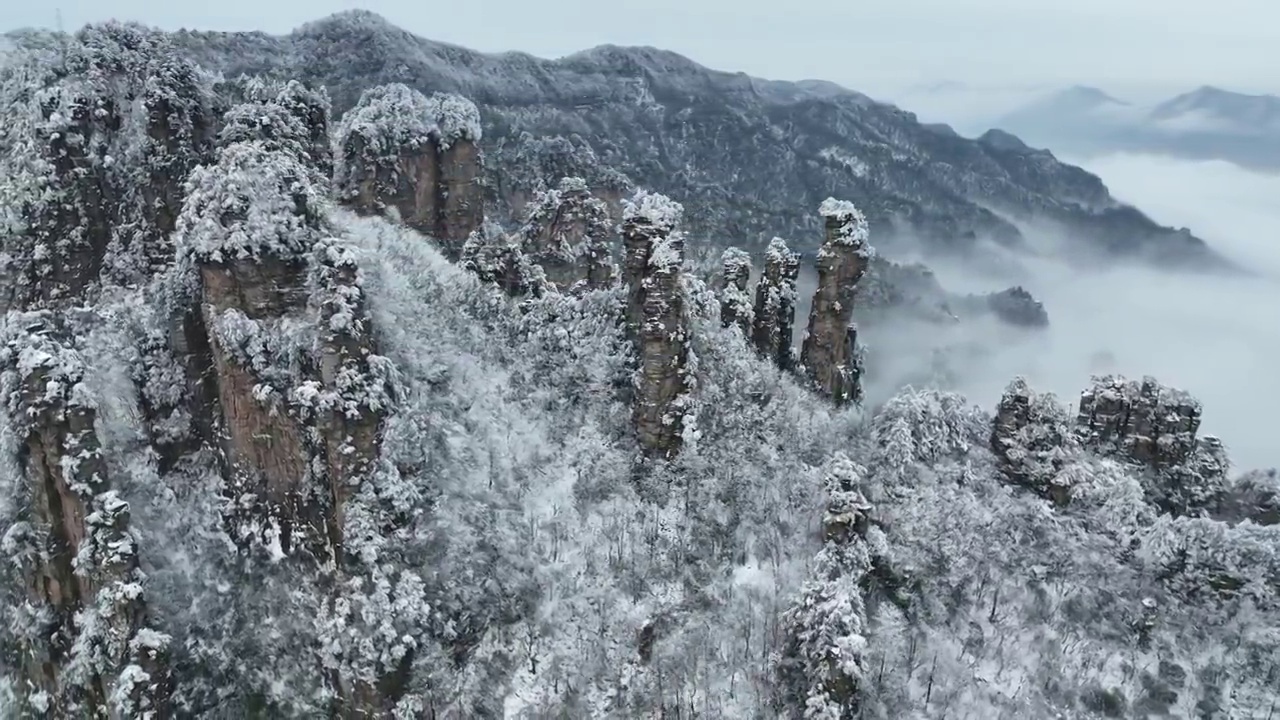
(657, 210)
(254, 202)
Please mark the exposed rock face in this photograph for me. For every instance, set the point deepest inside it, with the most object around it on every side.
(248, 226)
(775, 307)
(1143, 421)
(566, 232)
(402, 150)
(735, 302)
(1142, 424)
(77, 556)
(657, 321)
(830, 349)
(1154, 426)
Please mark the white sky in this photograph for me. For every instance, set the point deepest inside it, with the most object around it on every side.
(870, 45)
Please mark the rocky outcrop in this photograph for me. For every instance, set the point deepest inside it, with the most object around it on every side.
(248, 227)
(1142, 421)
(1014, 306)
(735, 302)
(86, 649)
(497, 257)
(1154, 427)
(773, 317)
(401, 150)
(829, 354)
(1141, 424)
(94, 165)
(1032, 439)
(566, 232)
(657, 321)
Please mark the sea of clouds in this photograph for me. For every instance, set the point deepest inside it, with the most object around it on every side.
(1215, 336)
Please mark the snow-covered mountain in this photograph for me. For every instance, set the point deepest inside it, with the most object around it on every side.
(747, 156)
(293, 427)
(1205, 124)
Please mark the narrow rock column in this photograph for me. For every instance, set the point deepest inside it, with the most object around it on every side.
(83, 576)
(775, 306)
(460, 194)
(735, 303)
(657, 320)
(829, 355)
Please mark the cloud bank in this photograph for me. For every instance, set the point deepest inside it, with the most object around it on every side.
(1216, 337)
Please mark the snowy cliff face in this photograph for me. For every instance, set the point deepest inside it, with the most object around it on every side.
(265, 456)
(748, 157)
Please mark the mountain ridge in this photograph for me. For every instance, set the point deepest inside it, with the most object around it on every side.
(748, 156)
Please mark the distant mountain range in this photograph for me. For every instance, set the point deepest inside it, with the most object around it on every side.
(1208, 123)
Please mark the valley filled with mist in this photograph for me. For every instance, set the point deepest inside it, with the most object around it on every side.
(1214, 335)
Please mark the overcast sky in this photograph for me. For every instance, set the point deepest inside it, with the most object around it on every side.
(871, 45)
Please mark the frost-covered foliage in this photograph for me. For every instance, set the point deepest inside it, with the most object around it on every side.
(823, 667)
(652, 208)
(851, 224)
(289, 117)
(255, 202)
(1033, 435)
(391, 121)
(485, 543)
(1088, 603)
(95, 143)
(523, 165)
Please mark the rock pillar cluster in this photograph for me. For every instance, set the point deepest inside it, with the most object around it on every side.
(775, 308)
(829, 354)
(1154, 426)
(656, 320)
(419, 156)
(97, 180)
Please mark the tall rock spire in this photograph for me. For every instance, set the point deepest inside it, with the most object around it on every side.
(656, 320)
(830, 355)
(775, 308)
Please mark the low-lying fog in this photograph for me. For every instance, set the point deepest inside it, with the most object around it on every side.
(1216, 337)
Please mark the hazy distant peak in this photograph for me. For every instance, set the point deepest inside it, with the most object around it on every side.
(1089, 94)
(1257, 111)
